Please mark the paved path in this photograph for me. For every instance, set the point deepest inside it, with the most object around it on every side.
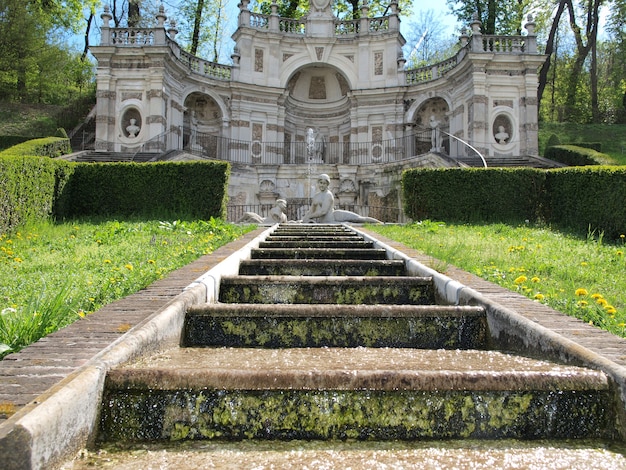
(28, 374)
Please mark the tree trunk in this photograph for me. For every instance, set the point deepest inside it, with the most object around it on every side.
(545, 68)
(195, 38)
(87, 29)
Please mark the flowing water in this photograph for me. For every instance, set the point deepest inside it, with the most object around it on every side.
(323, 455)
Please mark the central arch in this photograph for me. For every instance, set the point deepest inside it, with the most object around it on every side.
(318, 97)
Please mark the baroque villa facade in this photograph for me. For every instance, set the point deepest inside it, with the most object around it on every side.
(316, 95)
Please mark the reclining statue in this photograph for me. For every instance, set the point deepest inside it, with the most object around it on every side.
(323, 208)
(276, 216)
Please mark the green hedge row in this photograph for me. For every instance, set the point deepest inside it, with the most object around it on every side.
(577, 199)
(7, 141)
(578, 155)
(45, 147)
(29, 187)
(156, 190)
(33, 188)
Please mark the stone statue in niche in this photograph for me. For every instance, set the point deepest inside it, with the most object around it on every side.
(277, 215)
(132, 129)
(315, 146)
(435, 135)
(323, 208)
(502, 136)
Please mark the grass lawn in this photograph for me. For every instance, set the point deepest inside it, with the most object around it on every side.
(53, 274)
(582, 277)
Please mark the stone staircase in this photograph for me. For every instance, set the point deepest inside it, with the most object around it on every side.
(321, 337)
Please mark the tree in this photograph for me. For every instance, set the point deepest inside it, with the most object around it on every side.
(343, 9)
(496, 16)
(586, 42)
(426, 42)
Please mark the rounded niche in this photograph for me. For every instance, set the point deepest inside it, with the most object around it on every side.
(131, 123)
(502, 129)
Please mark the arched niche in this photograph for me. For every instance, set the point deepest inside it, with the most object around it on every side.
(434, 109)
(317, 97)
(203, 120)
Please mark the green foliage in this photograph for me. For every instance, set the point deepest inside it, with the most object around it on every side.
(7, 141)
(579, 199)
(575, 155)
(552, 141)
(54, 274)
(179, 189)
(588, 198)
(612, 137)
(28, 188)
(493, 194)
(581, 276)
(45, 147)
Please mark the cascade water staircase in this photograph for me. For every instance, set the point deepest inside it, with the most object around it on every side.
(321, 337)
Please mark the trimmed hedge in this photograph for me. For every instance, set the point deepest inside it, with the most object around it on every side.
(577, 199)
(474, 194)
(28, 189)
(589, 198)
(575, 155)
(155, 190)
(35, 188)
(7, 141)
(45, 147)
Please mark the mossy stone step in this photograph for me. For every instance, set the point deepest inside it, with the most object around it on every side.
(362, 393)
(407, 290)
(318, 253)
(325, 244)
(315, 237)
(289, 326)
(322, 267)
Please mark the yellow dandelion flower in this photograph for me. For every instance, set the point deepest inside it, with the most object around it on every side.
(535, 279)
(520, 280)
(151, 261)
(581, 292)
(107, 261)
(128, 266)
(620, 253)
(596, 296)
(609, 309)
(539, 296)
(582, 303)
(18, 260)
(81, 314)
(584, 263)
(601, 302)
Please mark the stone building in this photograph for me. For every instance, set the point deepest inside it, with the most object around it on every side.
(316, 95)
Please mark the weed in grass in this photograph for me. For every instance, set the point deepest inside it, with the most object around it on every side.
(545, 265)
(54, 274)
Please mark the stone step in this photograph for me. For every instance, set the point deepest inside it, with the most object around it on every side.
(318, 253)
(315, 237)
(321, 267)
(325, 244)
(288, 326)
(507, 454)
(359, 393)
(407, 290)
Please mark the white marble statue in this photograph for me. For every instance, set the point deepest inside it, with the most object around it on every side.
(277, 215)
(323, 210)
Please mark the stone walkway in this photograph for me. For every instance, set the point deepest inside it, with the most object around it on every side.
(25, 377)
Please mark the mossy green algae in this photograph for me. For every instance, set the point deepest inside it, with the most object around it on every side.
(434, 332)
(358, 414)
